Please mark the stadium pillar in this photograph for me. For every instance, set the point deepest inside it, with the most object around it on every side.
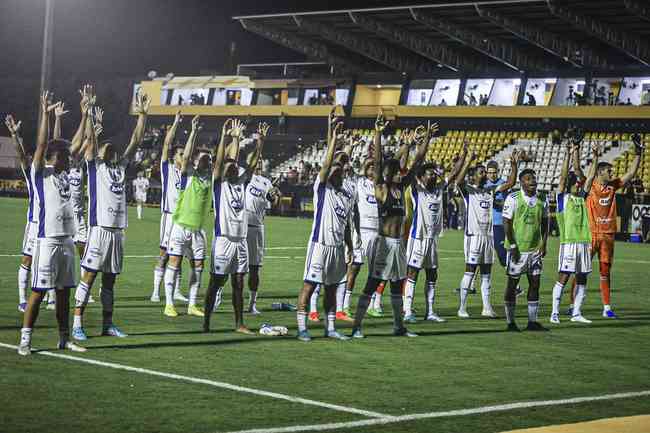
(522, 89)
(406, 88)
(350, 102)
(587, 93)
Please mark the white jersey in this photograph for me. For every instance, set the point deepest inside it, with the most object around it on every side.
(30, 193)
(367, 204)
(141, 185)
(106, 193)
(52, 206)
(256, 199)
(229, 203)
(75, 177)
(427, 210)
(478, 215)
(332, 209)
(173, 182)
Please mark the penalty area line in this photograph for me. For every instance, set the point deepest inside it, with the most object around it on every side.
(443, 414)
(213, 383)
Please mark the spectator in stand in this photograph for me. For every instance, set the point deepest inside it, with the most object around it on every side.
(443, 103)
(531, 99)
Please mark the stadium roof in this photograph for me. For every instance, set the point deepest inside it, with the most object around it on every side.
(469, 37)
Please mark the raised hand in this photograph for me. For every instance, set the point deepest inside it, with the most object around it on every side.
(45, 102)
(433, 129)
(178, 118)
(332, 118)
(99, 115)
(98, 128)
(263, 129)
(337, 128)
(59, 109)
(196, 126)
(420, 134)
(12, 126)
(638, 143)
(595, 150)
(381, 123)
(142, 103)
(237, 129)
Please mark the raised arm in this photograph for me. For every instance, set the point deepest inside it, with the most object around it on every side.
(564, 173)
(377, 153)
(469, 158)
(329, 156)
(262, 132)
(575, 140)
(512, 177)
(169, 136)
(458, 166)
(638, 151)
(220, 150)
(41, 140)
(142, 103)
(331, 122)
(189, 145)
(79, 136)
(423, 137)
(407, 138)
(591, 175)
(89, 147)
(59, 112)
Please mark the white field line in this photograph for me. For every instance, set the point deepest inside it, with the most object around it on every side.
(213, 383)
(443, 414)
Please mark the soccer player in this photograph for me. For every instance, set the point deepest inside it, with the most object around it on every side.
(29, 237)
(325, 263)
(601, 204)
(229, 255)
(479, 240)
(427, 190)
(525, 221)
(388, 262)
(575, 236)
(140, 186)
(187, 236)
(259, 191)
(107, 220)
(172, 183)
(493, 179)
(54, 249)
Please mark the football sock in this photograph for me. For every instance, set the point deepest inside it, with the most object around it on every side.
(170, 281)
(76, 321)
(218, 298)
(195, 284)
(81, 294)
(139, 208)
(177, 281)
(604, 283)
(106, 296)
(485, 291)
(464, 288)
(51, 296)
(397, 304)
(340, 296)
(362, 308)
(510, 312)
(377, 301)
(346, 299)
(313, 301)
(409, 289)
(430, 295)
(580, 297)
(23, 283)
(331, 317)
(302, 321)
(158, 275)
(557, 297)
(253, 300)
(533, 307)
(25, 336)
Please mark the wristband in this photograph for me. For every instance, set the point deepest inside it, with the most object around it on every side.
(512, 246)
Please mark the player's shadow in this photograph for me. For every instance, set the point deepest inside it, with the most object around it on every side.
(162, 344)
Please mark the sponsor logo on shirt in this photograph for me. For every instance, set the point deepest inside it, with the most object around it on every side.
(484, 204)
(371, 199)
(604, 201)
(255, 191)
(340, 211)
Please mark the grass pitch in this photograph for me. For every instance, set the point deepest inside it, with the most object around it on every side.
(454, 365)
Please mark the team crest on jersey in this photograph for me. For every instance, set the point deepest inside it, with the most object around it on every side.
(236, 204)
(63, 186)
(340, 211)
(255, 191)
(117, 188)
(434, 207)
(371, 199)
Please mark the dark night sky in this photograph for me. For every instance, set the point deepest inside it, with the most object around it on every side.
(131, 37)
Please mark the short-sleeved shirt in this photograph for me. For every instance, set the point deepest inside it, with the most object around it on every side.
(52, 207)
(499, 200)
(510, 205)
(75, 177)
(229, 203)
(427, 210)
(172, 181)
(106, 193)
(141, 184)
(257, 191)
(331, 214)
(30, 193)
(478, 201)
(367, 204)
(601, 205)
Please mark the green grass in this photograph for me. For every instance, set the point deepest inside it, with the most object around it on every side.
(455, 365)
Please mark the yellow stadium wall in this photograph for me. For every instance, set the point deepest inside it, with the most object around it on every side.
(373, 96)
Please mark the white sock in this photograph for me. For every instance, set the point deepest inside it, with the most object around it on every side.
(430, 295)
(485, 291)
(81, 295)
(23, 283)
(139, 211)
(76, 321)
(177, 281)
(195, 284)
(331, 317)
(607, 307)
(464, 288)
(51, 296)
(170, 279)
(158, 275)
(25, 336)
(346, 299)
(510, 312)
(533, 307)
(581, 291)
(377, 305)
(557, 297)
(409, 289)
(218, 299)
(253, 300)
(372, 300)
(302, 321)
(313, 301)
(340, 296)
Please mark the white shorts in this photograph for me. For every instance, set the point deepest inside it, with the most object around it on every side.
(575, 258)
(529, 263)
(142, 198)
(81, 229)
(53, 265)
(479, 250)
(368, 240)
(325, 264)
(186, 242)
(29, 238)
(255, 241)
(104, 250)
(422, 253)
(165, 229)
(388, 259)
(229, 256)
